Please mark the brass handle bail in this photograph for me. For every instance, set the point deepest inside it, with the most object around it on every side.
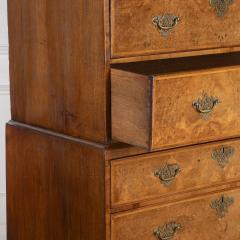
(165, 23)
(167, 231)
(167, 173)
(205, 105)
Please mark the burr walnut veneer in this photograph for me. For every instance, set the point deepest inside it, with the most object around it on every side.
(125, 120)
(156, 114)
(198, 28)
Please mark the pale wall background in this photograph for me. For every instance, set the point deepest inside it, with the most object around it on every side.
(4, 111)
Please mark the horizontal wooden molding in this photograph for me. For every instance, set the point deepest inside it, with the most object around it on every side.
(3, 49)
(4, 89)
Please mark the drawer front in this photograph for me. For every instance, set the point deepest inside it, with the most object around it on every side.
(212, 217)
(141, 178)
(151, 27)
(182, 109)
(196, 108)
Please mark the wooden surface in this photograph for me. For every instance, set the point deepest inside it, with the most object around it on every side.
(174, 55)
(198, 220)
(120, 150)
(133, 180)
(130, 107)
(134, 34)
(59, 57)
(181, 64)
(174, 121)
(66, 180)
(55, 187)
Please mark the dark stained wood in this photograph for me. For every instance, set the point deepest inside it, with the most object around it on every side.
(59, 65)
(198, 220)
(55, 187)
(133, 33)
(168, 110)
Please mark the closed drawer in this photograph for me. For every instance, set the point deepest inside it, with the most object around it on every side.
(212, 217)
(150, 176)
(153, 27)
(169, 110)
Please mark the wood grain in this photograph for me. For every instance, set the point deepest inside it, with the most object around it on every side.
(180, 196)
(120, 150)
(172, 107)
(174, 121)
(59, 66)
(133, 33)
(198, 220)
(133, 180)
(131, 107)
(181, 64)
(66, 178)
(55, 187)
(174, 55)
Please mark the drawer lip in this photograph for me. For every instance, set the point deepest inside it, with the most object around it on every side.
(175, 197)
(184, 212)
(235, 188)
(151, 115)
(177, 54)
(201, 72)
(126, 174)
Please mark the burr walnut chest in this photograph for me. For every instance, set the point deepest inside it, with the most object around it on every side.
(125, 120)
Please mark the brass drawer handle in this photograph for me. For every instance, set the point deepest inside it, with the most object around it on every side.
(222, 155)
(205, 105)
(165, 23)
(167, 173)
(221, 6)
(221, 205)
(167, 231)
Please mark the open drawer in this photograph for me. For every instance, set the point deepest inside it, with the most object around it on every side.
(159, 111)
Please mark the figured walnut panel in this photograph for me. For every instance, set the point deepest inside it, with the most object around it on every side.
(133, 179)
(133, 33)
(197, 218)
(176, 122)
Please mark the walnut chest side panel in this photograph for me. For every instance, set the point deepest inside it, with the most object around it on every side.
(59, 57)
(55, 187)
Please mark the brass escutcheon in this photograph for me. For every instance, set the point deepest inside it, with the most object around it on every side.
(221, 6)
(222, 155)
(221, 205)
